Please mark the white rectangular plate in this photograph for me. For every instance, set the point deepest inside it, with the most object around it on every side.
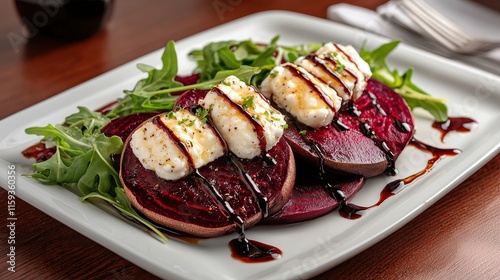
(309, 248)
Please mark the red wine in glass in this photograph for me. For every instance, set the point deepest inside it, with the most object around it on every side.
(68, 19)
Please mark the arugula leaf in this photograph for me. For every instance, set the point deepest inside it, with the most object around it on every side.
(144, 96)
(101, 174)
(222, 56)
(61, 170)
(262, 57)
(121, 203)
(249, 61)
(90, 120)
(83, 158)
(244, 73)
(68, 139)
(159, 78)
(227, 58)
(402, 84)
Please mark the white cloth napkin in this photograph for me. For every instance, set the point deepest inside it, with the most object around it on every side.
(475, 18)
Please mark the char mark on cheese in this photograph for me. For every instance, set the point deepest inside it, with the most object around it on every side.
(313, 86)
(257, 127)
(328, 75)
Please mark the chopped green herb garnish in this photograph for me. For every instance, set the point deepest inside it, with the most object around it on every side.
(248, 102)
(171, 115)
(339, 67)
(202, 114)
(274, 118)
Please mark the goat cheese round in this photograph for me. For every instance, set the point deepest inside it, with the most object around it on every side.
(301, 94)
(173, 144)
(244, 118)
(347, 59)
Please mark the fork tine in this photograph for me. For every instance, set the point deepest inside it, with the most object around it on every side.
(442, 21)
(423, 20)
(442, 29)
(488, 46)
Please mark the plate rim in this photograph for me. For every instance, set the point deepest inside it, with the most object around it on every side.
(322, 264)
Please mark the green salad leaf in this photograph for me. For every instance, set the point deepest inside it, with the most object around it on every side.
(80, 148)
(402, 84)
(214, 59)
(121, 203)
(83, 158)
(145, 96)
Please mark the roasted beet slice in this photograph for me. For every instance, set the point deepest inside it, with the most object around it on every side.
(346, 151)
(366, 139)
(386, 113)
(190, 98)
(309, 199)
(188, 197)
(123, 126)
(188, 79)
(188, 206)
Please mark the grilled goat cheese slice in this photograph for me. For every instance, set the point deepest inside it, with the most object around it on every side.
(346, 60)
(304, 96)
(243, 117)
(173, 144)
(342, 81)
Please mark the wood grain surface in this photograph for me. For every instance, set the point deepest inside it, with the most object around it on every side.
(457, 238)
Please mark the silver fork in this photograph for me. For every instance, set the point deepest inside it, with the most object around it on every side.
(443, 30)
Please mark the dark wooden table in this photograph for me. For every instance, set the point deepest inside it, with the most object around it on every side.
(457, 238)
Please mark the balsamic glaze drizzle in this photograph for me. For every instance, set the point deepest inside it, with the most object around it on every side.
(251, 251)
(352, 109)
(346, 55)
(269, 160)
(339, 125)
(402, 126)
(376, 105)
(156, 121)
(262, 200)
(223, 204)
(366, 129)
(314, 88)
(347, 70)
(331, 189)
(241, 248)
(460, 124)
(39, 152)
(353, 211)
(334, 75)
(256, 125)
